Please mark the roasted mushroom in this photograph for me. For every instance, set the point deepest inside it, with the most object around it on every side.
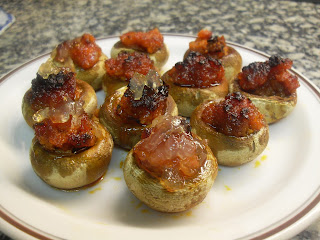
(235, 129)
(120, 70)
(170, 169)
(216, 47)
(150, 43)
(270, 86)
(130, 109)
(81, 55)
(194, 80)
(70, 153)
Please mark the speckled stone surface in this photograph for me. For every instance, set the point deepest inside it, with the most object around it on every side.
(288, 28)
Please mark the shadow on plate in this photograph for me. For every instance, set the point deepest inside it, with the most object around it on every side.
(21, 135)
(131, 211)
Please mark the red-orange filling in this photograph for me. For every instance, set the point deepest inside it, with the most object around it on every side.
(170, 153)
(150, 41)
(197, 71)
(206, 44)
(270, 78)
(126, 64)
(54, 91)
(83, 51)
(142, 111)
(74, 134)
(235, 116)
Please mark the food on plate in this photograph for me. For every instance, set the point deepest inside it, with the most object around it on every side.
(130, 109)
(194, 80)
(170, 169)
(150, 43)
(216, 47)
(270, 86)
(57, 91)
(69, 153)
(120, 70)
(81, 55)
(235, 129)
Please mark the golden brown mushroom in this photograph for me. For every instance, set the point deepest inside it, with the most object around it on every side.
(235, 129)
(270, 86)
(81, 55)
(170, 169)
(194, 80)
(216, 47)
(150, 43)
(130, 109)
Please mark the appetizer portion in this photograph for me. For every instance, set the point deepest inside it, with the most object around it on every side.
(130, 109)
(71, 152)
(194, 80)
(170, 169)
(57, 92)
(270, 86)
(216, 47)
(120, 70)
(81, 55)
(150, 43)
(235, 129)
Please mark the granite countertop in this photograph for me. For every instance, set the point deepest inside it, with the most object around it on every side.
(288, 28)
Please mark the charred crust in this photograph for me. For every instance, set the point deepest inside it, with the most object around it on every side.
(150, 98)
(41, 85)
(276, 60)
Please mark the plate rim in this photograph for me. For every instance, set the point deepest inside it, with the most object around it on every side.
(32, 231)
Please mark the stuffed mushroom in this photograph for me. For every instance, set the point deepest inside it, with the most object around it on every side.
(170, 169)
(216, 47)
(130, 109)
(120, 70)
(70, 153)
(81, 55)
(235, 129)
(270, 86)
(196, 79)
(150, 43)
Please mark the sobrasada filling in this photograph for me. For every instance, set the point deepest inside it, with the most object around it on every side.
(144, 100)
(197, 71)
(72, 135)
(150, 41)
(269, 78)
(126, 64)
(82, 50)
(169, 152)
(208, 44)
(234, 116)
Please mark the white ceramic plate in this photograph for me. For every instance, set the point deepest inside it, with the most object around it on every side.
(275, 196)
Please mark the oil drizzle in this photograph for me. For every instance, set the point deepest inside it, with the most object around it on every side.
(257, 164)
(95, 190)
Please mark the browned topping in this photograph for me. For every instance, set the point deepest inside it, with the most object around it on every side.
(197, 71)
(235, 116)
(171, 153)
(74, 134)
(83, 51)
(150, 41)
(126, 64)
(205, 43)
(54, 90)
(143, 110)
(269, 78)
